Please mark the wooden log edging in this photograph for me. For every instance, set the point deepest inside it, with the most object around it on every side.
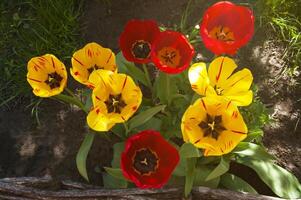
(29, 188)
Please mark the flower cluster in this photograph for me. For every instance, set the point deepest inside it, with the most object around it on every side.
(142, 42)
(212, 123)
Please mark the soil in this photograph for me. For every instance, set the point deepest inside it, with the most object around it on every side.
(29, 149)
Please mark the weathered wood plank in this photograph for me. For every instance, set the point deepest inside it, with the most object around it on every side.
(43, 189)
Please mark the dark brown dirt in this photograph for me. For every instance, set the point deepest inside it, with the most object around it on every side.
(31, 150)
(49, 149)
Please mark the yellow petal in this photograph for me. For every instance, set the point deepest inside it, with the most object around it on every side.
(89, 58)
(192, 118)
(239, 82)
(226, 142)
(101, 77)
(236, 131)
(235, 128)
(241, 98)
(131, 93)
(98, 120)
(220, 69)
(100, 93)
(199, 79)
(107, 85)
(39, 69)
(232, 119)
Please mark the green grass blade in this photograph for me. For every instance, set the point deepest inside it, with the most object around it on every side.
(82, 154)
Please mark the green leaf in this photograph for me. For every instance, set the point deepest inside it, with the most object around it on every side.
(144, 116)
(232, 182)
(251, 149)
(222, 168)
(190, 175)
(154, 123)
(188, 150)
(282, 182)
(176, 181)
(119, 130)
(87, 93)
(82, 154)
(195, 97)
(117, 149)
(112, 182)
(201, 173)
(255, 134)
(212, 160)
(165, 88)
(115, 172)
(71, 100)
(130, 68)
(181, 167)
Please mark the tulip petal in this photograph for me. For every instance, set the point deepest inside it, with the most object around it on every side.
(241, 81)
(160, 153)
(97, 118)
(142, 31)
(236, 131)
(91, 57)
(228, 127)
(199, 79)
(241, 98)
(172, 52)
(220, 69)
(40, 69)
(225, 144)
(118, 93)
(191, 119)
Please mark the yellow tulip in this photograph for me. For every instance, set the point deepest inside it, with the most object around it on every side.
(91, 57)
(115, 98)
(219, 83)
(46, 75)
(213, 125)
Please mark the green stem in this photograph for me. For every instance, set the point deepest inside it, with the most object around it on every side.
(167, 88)
(70, 92)
(126, 129)
(71, 100)
(149, 83)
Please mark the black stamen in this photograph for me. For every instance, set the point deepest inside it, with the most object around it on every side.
(212, 126)
(145, 161)
(169, 56)
(141, 49)
(95, 67)
(115, 103)
(54, 80)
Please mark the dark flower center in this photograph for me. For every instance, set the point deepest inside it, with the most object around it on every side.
(95, 67)
(212, 126)
(219, 91)
(145, 161)
(222, 33)
(141, 49)
(54, 80)
(115, 103)
(169, 56)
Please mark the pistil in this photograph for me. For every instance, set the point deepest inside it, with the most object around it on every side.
(145, 161)
(54, 80)
(212, 126)
(115, 103)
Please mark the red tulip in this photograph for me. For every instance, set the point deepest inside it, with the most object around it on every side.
(171, 52)
(137, 39)
(226, 27)
(148, 159)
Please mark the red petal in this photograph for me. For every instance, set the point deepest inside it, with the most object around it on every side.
(135, 30)
(168, 159)
(238, 19)
(177, 41)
